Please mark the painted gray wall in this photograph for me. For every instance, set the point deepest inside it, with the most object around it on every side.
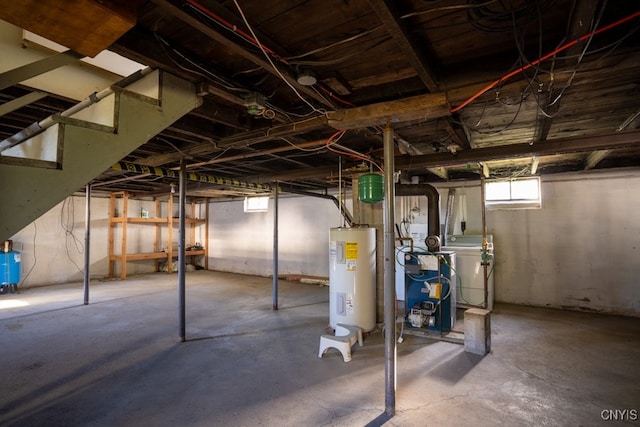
(243, 242)
(580, 251)
(52, 247)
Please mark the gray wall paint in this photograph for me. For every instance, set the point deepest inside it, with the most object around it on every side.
(52, 247)
(580, 251)
(52, 244)
(243, 242)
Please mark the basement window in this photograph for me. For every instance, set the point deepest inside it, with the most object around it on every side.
(256, 204)
(517, 193)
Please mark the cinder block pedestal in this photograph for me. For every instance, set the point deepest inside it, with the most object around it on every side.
(477, 331)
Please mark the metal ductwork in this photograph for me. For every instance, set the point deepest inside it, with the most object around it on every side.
(433, 210)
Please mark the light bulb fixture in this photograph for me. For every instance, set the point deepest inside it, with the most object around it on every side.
(255, 103)
(307, 78)
(172, 188)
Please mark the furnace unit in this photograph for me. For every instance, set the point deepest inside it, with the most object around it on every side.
(430, 290)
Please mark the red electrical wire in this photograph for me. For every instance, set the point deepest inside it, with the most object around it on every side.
(345, 153)
(248, 37)
(544, 58)
(331, 94)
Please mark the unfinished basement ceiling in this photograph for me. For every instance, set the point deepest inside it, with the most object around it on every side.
(459, 80)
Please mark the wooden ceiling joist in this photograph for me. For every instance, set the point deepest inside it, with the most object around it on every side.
(557, 146)
(421, 107)
(390, 18)
(258, 60)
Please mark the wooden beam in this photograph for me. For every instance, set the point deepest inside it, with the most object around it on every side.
(584, 12)
(580, 144)
(457, 135)
(535, 161)
(440, 172)
(486, 172)
(390, 18)
(219, 114)
(257, 153)
(594, 158)
(18, 103)
(274, 132)
(421, 107)
(391, 21)
(259, 60)
(559, 146)
(85, 26)
(597, 156)
(243, 138)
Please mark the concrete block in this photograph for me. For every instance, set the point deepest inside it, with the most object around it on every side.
(477, 331)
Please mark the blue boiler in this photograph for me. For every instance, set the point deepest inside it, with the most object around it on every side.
(430, 290)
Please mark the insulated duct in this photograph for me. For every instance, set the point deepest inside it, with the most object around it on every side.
(433, 210)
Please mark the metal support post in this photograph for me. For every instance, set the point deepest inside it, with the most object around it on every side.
(181, 254)
(275, 246)
(389, 275)
(87, 243)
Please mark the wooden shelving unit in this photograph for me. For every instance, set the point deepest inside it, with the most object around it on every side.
(160, 254)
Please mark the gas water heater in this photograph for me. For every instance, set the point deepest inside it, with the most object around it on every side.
(430, 290)
(352, 277)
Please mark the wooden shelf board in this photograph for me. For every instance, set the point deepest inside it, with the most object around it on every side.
(147, 220)
(140, 256)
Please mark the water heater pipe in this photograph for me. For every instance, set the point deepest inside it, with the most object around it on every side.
(433, 205)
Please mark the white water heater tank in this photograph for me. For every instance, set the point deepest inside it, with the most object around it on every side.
(352, 277)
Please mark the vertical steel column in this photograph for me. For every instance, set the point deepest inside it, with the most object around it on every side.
(87, 242)
(389, 275)
(485, 245)
(181, 255)
(275, 246)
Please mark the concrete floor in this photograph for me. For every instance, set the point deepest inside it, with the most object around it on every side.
(117, 362)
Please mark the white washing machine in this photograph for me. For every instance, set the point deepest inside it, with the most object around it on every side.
(469, 269)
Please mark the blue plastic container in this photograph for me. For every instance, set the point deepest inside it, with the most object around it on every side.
(9, 268)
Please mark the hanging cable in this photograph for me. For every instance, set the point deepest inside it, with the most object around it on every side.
(251, 38)
(333, 139)
(338, 43)
(544, 58)
(332, 95)
(246, 22)
(582, 53)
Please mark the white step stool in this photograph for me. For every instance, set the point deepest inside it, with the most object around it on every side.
(345, 337)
